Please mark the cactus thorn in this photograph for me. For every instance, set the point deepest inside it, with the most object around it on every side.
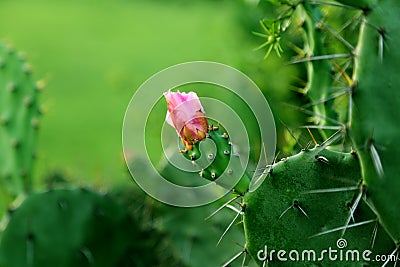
(225, 135)
(226, 152)
(322, 159)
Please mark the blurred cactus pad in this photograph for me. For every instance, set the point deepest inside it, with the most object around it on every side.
(19, 120)
(78, 227)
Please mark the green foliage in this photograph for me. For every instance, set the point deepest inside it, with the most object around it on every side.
(19, 120)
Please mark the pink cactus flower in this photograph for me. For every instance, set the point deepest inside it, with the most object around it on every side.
(186, 114)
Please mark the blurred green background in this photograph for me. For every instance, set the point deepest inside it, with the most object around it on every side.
(93, 55)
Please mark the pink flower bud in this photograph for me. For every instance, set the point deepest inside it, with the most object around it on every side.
(186, 114)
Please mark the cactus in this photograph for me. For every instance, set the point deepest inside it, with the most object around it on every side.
(76, 227)
(301, 199)
(217, 163)
(186, 114)
(19, 120)
(373, 126)
(370, 122)
(322, 196)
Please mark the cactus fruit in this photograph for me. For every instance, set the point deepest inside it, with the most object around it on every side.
(75, 227)
(19, 120)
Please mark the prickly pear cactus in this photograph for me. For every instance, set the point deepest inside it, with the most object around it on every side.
(374, 124)
(19, 120)
(311, 200)
(75, 227)
(305, 203)
(216, 163)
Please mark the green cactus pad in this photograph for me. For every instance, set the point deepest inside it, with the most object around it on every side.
(214, 164)
(74, 227)
(19, 120)
(285, 212)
